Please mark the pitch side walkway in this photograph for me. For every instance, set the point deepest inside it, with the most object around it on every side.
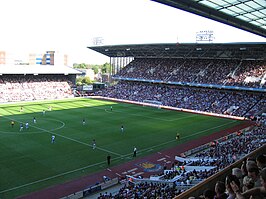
(133, 167)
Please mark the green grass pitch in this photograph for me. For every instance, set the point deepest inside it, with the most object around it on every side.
(29, 161)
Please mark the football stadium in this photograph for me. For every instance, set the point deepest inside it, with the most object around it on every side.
(178, 120)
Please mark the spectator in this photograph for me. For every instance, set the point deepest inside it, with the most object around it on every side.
(229, 178)
(261, 161)
(248, 183)
(208, 194)
(238, 173)
(253, 172)
(220, 190)
(254, 192)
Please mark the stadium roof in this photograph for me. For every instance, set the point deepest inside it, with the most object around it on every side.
(186, 50)
(248, 15)
(37, 70)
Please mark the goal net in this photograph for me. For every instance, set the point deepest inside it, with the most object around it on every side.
(152, 103)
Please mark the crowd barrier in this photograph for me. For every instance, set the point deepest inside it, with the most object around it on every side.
(135, 180)
(170, 183)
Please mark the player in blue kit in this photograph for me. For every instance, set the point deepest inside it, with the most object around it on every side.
(20, 127)
(53, 139)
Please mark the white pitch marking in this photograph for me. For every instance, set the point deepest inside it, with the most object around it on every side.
(137, 174)
(68, 138)
(132, 170)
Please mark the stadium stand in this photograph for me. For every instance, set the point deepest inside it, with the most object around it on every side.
(244, 104)
(234, 87)
(29, 88)
(30, 83)
(204, 71)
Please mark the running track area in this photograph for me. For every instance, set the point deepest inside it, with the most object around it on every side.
(162, 158)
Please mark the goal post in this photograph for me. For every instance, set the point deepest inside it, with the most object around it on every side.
(152, 103)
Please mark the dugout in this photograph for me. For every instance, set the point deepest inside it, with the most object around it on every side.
(98, 86)
(89, 89)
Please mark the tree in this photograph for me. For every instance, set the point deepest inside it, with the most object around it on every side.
(106, 68)
(95, 68)
(82, 66)
(86, 81)
(83, 81)
(79, 81)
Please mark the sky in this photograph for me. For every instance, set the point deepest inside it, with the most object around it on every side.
(69, 26)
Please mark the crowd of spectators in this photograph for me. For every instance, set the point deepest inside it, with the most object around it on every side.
(209, 100)
(144, 190)
(220, 155)
(249, 181)
(34, 87)
(250, 73)
(247, 73)
(236, 147)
